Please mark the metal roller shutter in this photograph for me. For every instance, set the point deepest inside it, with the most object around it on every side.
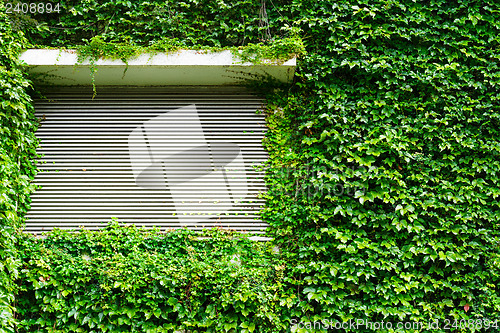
(161, 157)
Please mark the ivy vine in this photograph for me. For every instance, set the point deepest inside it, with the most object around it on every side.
(17, 161)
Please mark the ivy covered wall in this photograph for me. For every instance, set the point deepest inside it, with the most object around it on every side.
(398, 103)
(383, 174)
(17, 152)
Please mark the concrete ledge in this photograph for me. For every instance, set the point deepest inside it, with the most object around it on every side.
(184, 67)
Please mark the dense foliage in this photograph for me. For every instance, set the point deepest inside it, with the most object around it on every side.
(126, 279)
(383, 174)
(17, 153)
(183, 23)
(394, 210)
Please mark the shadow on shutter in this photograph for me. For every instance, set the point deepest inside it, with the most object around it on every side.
(164, 157)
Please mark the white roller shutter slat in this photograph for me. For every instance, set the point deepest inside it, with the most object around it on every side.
(162, 157)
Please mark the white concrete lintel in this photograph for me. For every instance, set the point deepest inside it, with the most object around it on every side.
(183, 67)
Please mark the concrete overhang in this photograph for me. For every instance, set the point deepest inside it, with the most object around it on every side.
(183, 67)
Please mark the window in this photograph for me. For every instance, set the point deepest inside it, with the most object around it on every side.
(165, 157)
